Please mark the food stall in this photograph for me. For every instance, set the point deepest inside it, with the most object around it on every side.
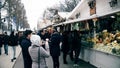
(103, 49)
(100, 28)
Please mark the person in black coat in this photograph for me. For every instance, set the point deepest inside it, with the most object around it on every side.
(25, 44)
(65, 46)
(6, 41)
(55, 48)
(13, 43)
(0, 44)
(43, 38)
(70, 43)
(76, 45)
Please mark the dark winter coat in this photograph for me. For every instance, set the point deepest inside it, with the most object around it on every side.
(42, 37)
(76, 40)
(0, 41)
(13, 41)
(47, 35)
(55, 44)
(20, 39)
(6, 39)
(25, 44)
(65, 45)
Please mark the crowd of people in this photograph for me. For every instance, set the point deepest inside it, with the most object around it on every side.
(36, 47)
(71, 44)
(9, 40)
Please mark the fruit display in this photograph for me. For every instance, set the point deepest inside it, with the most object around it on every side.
(110, 43)
(117, 37)
(87, 42)
(105, 42)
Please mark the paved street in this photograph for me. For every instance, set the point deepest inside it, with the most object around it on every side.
(5, 60)
(19, 63)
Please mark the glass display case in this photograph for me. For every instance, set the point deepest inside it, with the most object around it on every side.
(107, 36)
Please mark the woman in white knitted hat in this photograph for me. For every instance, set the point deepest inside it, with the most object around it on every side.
(38, 53)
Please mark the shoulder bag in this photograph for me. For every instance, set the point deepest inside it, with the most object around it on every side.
(39, 57)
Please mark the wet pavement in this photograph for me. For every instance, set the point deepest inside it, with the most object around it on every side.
(5, 60)
(82, 64)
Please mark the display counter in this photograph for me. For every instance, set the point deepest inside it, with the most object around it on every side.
(102, 49)
(99, 59)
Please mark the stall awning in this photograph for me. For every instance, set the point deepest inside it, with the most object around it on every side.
(87, 18)
(76, 20)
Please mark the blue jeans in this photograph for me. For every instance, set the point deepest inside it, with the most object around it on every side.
(14, 51)
(6, 48)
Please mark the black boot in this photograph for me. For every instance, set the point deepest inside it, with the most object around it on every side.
(12, 60)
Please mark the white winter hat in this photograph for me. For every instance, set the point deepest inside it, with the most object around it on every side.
(36, 40)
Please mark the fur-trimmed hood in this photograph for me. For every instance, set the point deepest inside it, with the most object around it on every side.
(36, 40)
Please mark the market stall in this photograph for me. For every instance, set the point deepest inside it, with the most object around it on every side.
(103, 49)
(99, 24)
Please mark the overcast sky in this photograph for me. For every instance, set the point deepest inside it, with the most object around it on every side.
(35, 8)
